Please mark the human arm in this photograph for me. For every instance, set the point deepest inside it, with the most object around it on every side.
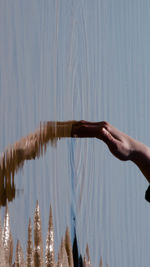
(120, 144)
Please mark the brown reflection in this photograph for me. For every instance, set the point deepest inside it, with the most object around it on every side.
(33, 146)
(7, 190)
(27, 148)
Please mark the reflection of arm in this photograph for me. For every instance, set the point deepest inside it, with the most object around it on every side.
(33, 145)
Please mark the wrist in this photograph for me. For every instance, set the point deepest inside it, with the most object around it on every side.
(139, 152)
(141, 157)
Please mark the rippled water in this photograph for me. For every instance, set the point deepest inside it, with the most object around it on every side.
(72, 60)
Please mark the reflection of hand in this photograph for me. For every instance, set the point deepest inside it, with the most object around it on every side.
(119, 143)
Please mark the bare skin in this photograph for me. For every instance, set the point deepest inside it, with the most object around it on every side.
(120, 144)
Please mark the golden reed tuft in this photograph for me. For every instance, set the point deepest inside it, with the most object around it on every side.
(34, 254)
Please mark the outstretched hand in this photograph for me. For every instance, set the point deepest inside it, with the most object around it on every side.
(120, 144)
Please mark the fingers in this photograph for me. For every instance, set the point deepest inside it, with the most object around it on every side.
(84, 131)
(112, 143)
(88, 122)
(94, 129)
(104, 131)
(106, 137)
(87, 129)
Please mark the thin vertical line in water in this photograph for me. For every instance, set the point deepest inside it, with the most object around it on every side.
(102, 63)
(55, 58)
(73, 201)
(41, 57)
(55, 87)
(86, 53)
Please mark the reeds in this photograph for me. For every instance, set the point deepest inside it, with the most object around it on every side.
(34, 254)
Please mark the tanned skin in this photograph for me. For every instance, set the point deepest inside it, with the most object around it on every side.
(120, 144)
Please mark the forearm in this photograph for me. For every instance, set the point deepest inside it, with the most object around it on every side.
(141, 157)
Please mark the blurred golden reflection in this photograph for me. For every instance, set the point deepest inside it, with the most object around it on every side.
(33, 145)
(27, 148)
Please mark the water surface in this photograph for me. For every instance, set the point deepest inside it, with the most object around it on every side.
(72, 60)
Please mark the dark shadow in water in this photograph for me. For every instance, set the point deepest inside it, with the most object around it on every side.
(78, 262)
(7, 190)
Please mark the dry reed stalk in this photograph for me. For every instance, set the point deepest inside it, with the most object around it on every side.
(62, 256)
(7, 238)
(101, 262)
(49, 255)
(59, 262)
(19, 259)
(33, 146)
(68, 247)
(87, 260)
(2, 252)
(38, 243)
(30, 262)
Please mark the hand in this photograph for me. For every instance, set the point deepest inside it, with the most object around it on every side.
(120, 144)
